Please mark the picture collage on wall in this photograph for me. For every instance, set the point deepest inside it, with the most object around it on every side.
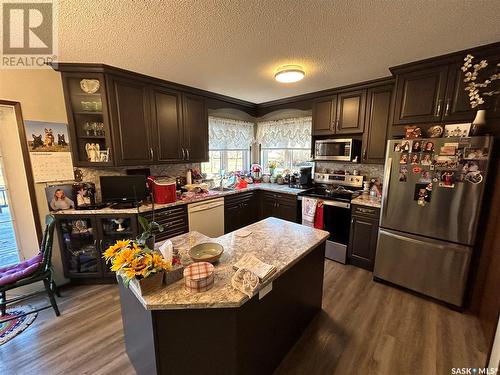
(447, 165)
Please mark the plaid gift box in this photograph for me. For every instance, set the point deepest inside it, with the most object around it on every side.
(199, 277)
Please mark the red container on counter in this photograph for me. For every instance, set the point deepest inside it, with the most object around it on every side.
(163, 189)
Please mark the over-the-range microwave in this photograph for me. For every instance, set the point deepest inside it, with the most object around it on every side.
(346, 149)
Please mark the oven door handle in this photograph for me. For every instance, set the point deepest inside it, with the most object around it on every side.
(329, 202)
(337, 204)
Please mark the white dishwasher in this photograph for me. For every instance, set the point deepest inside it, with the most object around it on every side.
(207, 217)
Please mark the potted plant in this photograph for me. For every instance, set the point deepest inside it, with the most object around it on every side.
(147, 236)
(479, 87)
(136, 263)
(279, 179)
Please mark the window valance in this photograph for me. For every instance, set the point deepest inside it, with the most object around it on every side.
(228, 134)
(285, 133)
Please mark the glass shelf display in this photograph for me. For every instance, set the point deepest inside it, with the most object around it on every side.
(80, 246)
(93, 142)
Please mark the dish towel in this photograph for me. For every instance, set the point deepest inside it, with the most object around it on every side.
(318, 217)
(308, 211)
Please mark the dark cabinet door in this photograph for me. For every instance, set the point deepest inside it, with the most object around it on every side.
(457, 107)
(287, 210)
(130, 121)
(420, 95)
(240, 210)
(195, 128)
(378, 111)
(363, 236)
(232, 214)
(174, 221)
(323, 115)
(268, 206)
(457, 104)
(166, 125)
(350, 112)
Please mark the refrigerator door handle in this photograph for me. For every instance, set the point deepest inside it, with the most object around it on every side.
(387, 181)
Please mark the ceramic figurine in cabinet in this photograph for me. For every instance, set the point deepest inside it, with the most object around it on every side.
(93, 152)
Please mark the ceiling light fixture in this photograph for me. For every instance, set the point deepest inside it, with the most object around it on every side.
(289, 73)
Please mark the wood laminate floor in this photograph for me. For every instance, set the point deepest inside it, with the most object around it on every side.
(365, 328)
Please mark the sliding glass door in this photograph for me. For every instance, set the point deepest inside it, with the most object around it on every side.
(9, 251)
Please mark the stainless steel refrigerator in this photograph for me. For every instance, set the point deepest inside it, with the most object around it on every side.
(431, 200)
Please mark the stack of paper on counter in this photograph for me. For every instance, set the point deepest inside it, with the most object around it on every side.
(253, 264)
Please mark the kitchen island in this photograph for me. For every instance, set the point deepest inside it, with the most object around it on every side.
(223, 331)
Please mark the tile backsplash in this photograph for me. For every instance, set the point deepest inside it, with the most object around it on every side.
(173, 170)
(367, 170)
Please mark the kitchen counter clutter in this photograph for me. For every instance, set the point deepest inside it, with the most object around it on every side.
(197, 198)
(367, 200)
(172, 330)
(274, 241)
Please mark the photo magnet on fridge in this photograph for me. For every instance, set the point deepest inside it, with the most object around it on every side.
(397, 147)
(423, 193)
(403, 159)
(429, 147)
(426, 159)
(476, 153)
(406, 146)
(447, 179)
(403, 174)
(416, 146)
(415, 159)
(425, 176)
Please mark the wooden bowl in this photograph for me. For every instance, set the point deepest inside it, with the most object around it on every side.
(206, 252)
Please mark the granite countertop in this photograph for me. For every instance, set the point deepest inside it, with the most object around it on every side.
(274, 241)
(200, 197)
(366, 200)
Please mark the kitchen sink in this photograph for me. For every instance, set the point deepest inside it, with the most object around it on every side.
(222, 189)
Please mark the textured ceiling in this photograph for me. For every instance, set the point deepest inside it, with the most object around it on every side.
(233, 47)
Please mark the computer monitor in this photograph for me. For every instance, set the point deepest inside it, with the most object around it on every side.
(123, 189)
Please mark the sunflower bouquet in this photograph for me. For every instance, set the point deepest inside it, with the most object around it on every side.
(131, 260)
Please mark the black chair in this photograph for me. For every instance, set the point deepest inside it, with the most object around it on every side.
(20, 274)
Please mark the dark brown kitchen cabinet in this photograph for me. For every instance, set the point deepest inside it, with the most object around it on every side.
(167, 131)
(323, 115)
(131, 119)
(129, 111)
(350, 118)
(420, 95)
(282, 206)
(378, 111)
(339, 114)
(363, 236)
(195, 122)
(83, 239)
(173, 219)
(240, 210)
(432, 91)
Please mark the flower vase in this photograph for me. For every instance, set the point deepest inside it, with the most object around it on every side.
(479, 122)
(271, 171)
(150, 242)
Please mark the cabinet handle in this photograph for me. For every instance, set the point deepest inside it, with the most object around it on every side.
(338, 125)
(447, 108)
(183, 153)
(100, 244)
(438, 107)
(332, 125)
(187, 153)
(364, 154)
(151, 153)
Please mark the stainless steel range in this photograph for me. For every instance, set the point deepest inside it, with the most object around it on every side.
(336, 192)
